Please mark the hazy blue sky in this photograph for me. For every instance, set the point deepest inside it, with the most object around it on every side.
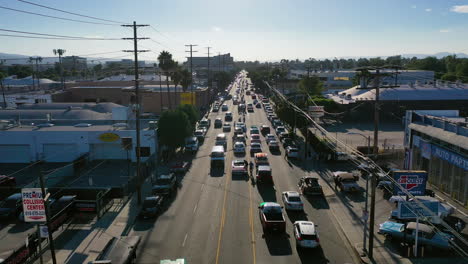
(249, 29)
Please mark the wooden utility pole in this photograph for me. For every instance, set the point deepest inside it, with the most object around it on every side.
(209, 72)
(46, 209)
(137, 102)
(191, 69)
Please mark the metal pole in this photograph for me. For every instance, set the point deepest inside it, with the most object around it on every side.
(137, 101)
(46, 209)
(364, 242)
(416, 238)
(39, 243)
(373, 179)
(3, 94)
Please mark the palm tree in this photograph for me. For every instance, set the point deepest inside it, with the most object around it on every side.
(176, 77)
(35, 73)
(166, 63)
(60, 52)
(186, 79)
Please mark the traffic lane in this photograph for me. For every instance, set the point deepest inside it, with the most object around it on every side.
(170, 235)
(333, 249)
(236, 245)
(15, 232)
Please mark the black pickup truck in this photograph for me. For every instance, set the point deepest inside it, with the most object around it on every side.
(310, 186)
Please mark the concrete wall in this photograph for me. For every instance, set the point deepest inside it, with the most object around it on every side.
(36, 140)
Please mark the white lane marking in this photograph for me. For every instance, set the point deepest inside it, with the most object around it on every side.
(183, 244)
(202, 186)
(195, 208)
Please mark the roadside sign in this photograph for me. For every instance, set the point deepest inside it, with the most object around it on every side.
(316, 111)
(411, 210)
(33, 205)
(413, 181)
(187, 98)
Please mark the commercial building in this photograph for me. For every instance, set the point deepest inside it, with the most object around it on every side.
(76, 63)
(124, 63)
(344, 78)
(66, 132)
(437, 142)
(222, 62)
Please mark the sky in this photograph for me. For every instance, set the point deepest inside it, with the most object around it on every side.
(248, 29)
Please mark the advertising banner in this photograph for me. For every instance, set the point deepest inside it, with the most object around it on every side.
(33, 205)
(187, 98)
(413, 181)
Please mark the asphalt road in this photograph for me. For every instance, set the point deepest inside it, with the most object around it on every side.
(214, 216)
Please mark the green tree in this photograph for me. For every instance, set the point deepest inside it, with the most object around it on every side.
(192, 113)
(173, 127)
(166, 63)
(186, 79)
(20, 71)
(462, 71)
(449, 76)
(311, 85)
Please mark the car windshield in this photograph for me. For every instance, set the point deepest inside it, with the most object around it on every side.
(163, 181)
(239, 163)
(217, 154)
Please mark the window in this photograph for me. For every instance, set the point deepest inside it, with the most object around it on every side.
(341, 78)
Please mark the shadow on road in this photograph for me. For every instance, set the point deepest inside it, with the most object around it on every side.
(312, 255)
(240, 177)
(296, 216)
(278, 244)
(317, 202)
(267, 192)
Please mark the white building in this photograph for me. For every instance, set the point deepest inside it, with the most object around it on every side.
(65, 132)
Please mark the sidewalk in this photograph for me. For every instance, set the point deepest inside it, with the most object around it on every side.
(87, 241)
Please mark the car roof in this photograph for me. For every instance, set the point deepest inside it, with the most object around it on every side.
(261, 154)
(422, 227)
(293, 194)
(237, 160)
(14, 196)
(307, 227)
(264, 168)
(155, 198)
(221, 135)
(218, 149)
(268, 204)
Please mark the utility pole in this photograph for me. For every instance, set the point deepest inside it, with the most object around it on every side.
(137, 102)
(46, 209)
(219, 61)
(209, 73)
(375, 152)
(191, 69)
(3, 88)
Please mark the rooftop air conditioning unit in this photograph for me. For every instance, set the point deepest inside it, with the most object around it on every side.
(83, 125)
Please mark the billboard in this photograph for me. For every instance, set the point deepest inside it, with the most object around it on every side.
(33, 205)
(187, 98)
(316, 111)
(413, 181)
(411, 210)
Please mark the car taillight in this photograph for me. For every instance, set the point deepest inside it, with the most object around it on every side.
(299, 238)
(318, 240)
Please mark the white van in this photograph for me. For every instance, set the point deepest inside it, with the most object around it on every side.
(217, 156)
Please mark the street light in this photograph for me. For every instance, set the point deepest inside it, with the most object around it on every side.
(367, 190)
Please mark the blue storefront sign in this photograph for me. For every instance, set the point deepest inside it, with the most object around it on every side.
(413, 181)
(411, 210)
(429, 150)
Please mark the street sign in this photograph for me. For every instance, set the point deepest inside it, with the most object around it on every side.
(413, 181)
(412, 210)
(316, 111)
(33, 205)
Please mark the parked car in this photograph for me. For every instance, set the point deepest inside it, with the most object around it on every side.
(269, 138)
(273, 145)
(152, 206)
(288, 142)
(347, 182)
(206, 123)
(271, 217)
(310, 186)
(255, 148)
(280, 129)
(218, 123)
(292, 152)
(227, 127)
(292, 201)
(199, 134)
(406, 232)
(11, 207)
(239, 167)
(239, 148)
(165, 184)
(191, 144)
(178, 167)
(306, 234)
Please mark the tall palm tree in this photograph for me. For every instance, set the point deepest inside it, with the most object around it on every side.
(176, 77)
(35, 73)
(60, 52)
(166, 63)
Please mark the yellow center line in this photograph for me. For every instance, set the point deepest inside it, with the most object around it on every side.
(252, 226)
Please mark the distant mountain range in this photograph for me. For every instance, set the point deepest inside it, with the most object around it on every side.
(23, 59)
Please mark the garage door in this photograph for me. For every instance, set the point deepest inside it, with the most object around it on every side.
(14, 154)
(60, 152)
(107, 151)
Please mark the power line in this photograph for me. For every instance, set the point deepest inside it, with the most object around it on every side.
(31, 37)
(61, 18)
(57, 36)
(71, 13)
